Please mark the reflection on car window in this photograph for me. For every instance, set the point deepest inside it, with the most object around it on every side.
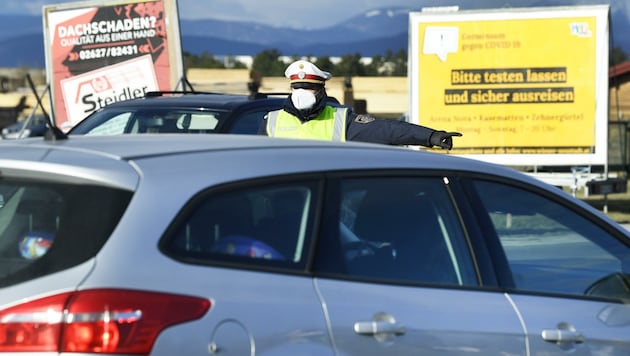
(32, 215)
(178, 121)
(114, 126)
(196, 122)
(250, 226)
(401, 230)
(114, 122)
(551, 248)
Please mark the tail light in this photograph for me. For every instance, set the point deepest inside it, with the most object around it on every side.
(95, 321)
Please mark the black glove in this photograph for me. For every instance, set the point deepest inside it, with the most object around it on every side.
(443, 139)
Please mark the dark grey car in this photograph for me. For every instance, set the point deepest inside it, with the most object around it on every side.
(181, 113)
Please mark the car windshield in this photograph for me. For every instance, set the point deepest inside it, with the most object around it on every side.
(154, 120)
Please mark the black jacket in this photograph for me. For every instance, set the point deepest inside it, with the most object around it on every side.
(365, 128)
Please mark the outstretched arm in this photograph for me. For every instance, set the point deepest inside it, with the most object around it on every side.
(365, 128)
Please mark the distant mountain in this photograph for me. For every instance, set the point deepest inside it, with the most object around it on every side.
(372, 24)
(372, 33)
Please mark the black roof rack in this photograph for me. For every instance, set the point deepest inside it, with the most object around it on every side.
(153, 94)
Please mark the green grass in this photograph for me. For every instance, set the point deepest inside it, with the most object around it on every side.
(618, 206)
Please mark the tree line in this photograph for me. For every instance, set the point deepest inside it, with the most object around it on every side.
(268, 63)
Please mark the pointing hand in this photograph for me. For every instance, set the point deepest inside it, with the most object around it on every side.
(443, 139)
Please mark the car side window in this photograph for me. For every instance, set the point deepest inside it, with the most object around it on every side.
(248, 123)
(550, 248)
(267, 225)
(398, 229)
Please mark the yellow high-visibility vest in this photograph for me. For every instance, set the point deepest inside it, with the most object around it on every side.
(329, 125)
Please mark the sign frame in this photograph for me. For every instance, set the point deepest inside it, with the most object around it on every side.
(102, 51)
(532, 146)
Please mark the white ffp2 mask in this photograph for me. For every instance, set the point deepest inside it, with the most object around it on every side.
(303, 99)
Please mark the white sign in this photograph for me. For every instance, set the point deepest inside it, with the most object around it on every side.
(98, 88)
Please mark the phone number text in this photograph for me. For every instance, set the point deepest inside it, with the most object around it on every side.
(117, 51)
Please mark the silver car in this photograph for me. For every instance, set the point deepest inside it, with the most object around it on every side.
(247, 245)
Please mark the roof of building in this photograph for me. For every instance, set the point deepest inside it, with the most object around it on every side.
(619, 69)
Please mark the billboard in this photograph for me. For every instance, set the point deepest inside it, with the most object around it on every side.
(525, 86)
(100, 52)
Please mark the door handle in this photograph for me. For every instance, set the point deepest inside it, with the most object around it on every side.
(372, 328)
(560, 336)
(383, 327)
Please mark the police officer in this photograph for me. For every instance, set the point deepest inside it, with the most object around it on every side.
(308, 114)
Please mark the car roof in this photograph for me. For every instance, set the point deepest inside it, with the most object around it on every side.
(119, 160)
(352, 155)
(134, 146)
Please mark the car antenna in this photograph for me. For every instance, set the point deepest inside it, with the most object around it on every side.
(53, 133)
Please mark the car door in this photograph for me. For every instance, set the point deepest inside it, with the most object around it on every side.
(396, 274)
(569, 276)
(246, 247)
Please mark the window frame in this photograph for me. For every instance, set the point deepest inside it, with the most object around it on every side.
(331, 219)
(315, 181)
(492, 239)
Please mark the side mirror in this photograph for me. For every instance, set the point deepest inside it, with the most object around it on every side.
(616, 285)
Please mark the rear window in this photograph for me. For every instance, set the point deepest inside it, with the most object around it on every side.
(48, 227)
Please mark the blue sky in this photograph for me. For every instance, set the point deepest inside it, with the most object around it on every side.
(302, 14)
(283, 13)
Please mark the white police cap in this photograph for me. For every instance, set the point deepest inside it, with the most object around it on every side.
(306, 72)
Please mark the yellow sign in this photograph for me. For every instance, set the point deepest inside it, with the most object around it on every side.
(512, 83)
